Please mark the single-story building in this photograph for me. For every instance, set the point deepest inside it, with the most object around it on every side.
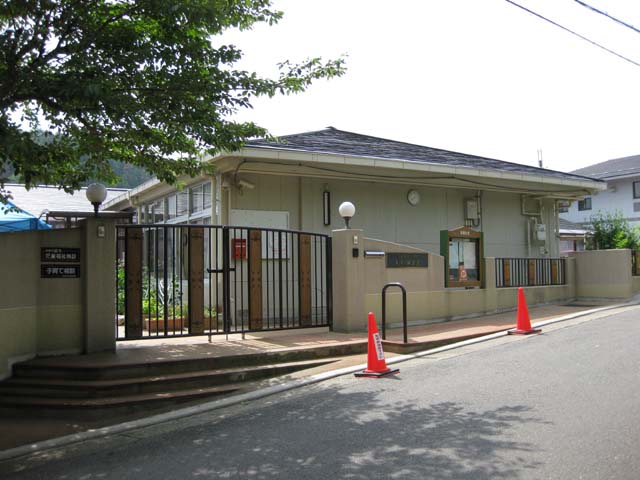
(403, 193)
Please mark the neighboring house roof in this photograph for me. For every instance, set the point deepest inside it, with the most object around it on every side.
(571, 228)
(334, 141)
(41, 198)
(616, 168)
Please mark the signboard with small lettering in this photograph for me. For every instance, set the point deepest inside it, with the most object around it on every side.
(404, 260)
(57, 254)
(60, 271)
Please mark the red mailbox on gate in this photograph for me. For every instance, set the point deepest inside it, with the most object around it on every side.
(239, 248)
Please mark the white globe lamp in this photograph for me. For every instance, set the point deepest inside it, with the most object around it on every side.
(346, 211)
(96, 194)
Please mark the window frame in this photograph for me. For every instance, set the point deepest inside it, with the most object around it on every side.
(585, 205)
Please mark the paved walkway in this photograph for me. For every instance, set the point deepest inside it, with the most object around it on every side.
(27, 430)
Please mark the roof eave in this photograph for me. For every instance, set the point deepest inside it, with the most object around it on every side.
(280, 154)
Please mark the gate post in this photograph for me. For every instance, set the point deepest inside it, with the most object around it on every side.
(133, 283)
(349, 310)
(196, 281)
(304, 274)
(99, 272)
(255, 279)
(226, 280)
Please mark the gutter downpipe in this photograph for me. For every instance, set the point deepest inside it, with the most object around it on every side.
(534, 215)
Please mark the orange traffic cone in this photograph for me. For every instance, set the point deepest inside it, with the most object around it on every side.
(523, 327)
(376, 366)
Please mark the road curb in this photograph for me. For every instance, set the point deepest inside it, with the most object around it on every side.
(67, 440)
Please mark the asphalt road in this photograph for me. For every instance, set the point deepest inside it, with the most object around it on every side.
(561, 405)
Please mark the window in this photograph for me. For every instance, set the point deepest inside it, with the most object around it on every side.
(207, 194)
(196, 198)
(158, 212)
(584, 204)
(172, 207)
(188, 206)
(145, 214)
(563, 209)
(636, 189)
(183, 203)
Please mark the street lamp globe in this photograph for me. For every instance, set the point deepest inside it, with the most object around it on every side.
(346, 211)
(96, 194)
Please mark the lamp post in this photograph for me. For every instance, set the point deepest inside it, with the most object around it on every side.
(346, 211)
(96, 194)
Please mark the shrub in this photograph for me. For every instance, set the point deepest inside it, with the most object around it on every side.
(611, 230)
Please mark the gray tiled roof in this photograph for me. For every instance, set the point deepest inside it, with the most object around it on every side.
(40, 198)
(617, 167)
(334, 141)
(566, 226)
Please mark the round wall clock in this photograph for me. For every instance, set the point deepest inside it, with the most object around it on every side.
(413, 197)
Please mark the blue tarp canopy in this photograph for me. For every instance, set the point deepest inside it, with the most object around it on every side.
(15, 221)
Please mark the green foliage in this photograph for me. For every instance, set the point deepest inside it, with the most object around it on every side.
(138, 81)
(611, 230)
(152, 301)
(120, 288)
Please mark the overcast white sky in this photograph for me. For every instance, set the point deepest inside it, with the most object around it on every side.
(475, 76)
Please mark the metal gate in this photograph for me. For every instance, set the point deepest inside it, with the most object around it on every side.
(181, 280)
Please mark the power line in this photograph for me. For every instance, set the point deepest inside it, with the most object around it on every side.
(617, 20)
(574, 33)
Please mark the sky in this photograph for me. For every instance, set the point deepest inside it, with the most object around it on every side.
(481, 77)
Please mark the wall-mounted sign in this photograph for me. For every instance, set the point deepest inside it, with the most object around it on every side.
(462, 250)
(404, 260)
(60, 271)
(57, 254)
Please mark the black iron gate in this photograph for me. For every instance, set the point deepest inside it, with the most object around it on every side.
(180, 280)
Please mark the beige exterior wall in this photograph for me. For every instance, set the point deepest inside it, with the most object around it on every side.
(36, 314)
(383, 212)
(48, 316)
(414, 279)
(271, 192)
(444, 305)
(358, 283)
(603, 273)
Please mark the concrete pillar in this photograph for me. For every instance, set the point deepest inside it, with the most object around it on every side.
(99, 284)
(491, 293)
(349, 312)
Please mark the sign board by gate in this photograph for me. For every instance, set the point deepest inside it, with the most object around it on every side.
(57, 254)
(60, 271)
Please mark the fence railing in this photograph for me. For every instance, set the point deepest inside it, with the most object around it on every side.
(530, 272)
(178, 280)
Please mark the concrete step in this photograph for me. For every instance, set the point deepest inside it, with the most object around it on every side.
(128, 402)
(54, 368)
(170, 382)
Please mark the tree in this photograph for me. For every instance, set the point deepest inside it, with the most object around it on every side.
(85, 82)
(611, 230)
